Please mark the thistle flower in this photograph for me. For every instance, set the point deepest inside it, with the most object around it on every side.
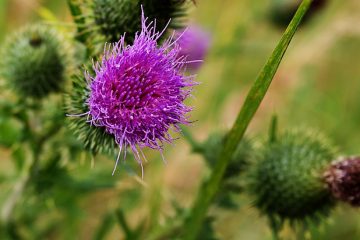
(343, 179)
(194, 43)
(287, 181)
(137, 92)
(35, 61)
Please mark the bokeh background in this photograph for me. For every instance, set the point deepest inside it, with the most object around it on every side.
(317, 86)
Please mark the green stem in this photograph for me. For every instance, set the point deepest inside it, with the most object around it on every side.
(76, 12)
(207, 192)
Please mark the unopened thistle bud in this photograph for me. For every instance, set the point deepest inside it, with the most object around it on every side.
(116, 17)
(135, 95)
(282, 11)
(35, 61)
(287, 181)
(343, 179)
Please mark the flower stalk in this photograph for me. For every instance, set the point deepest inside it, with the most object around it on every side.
(255, 96)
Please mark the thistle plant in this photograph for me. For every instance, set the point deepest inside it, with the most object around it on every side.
(129, 92)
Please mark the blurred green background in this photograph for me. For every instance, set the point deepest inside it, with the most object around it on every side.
(317, 86)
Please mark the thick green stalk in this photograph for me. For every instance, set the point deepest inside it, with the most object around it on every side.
(206, 194)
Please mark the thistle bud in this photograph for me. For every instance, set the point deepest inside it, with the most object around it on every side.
(343, 179)
(34, 61)
(116, 17)
(282, 11)
(286, 181)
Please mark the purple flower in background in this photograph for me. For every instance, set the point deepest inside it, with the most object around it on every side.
(194, 43)
(137, 92)
(343, 179)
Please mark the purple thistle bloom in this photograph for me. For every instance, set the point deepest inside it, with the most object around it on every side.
(138, 91)
(194, 43)
(343, 179)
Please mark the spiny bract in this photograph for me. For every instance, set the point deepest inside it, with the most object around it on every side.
(34, 61)
(116, 17)
(287, 182)
(136, 93)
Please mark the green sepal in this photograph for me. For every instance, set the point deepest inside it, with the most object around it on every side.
(94, 139)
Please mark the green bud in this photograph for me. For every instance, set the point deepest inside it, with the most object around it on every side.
(287, 179)
(116, 17)
(34, 61)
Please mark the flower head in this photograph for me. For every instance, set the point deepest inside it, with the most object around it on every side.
(286, 181)
(194, 43)
(137, 92)
(35, 61)
(343, 179)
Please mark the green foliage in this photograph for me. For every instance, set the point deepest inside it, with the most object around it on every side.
(116, 17)
(35, 61)
(287, 179)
